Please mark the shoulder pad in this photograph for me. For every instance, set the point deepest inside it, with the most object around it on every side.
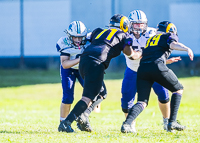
(174, 37)
(150, 32)
(88, 36)
(64, 43)
(97, 30)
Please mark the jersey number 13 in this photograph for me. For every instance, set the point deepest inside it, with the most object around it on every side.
(153, 41)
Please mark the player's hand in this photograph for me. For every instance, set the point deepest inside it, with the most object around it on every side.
(78, 56)
(190, 53)
(173, 59)
(128, 41)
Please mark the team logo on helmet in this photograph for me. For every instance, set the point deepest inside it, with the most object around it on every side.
(124, 24)
(171, 28)
(70, 27)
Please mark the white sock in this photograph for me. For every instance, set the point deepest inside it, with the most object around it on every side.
(61, 119)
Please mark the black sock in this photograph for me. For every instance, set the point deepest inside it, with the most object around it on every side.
(175, 103)
(93, 105)
(78, 109)
(134, 112)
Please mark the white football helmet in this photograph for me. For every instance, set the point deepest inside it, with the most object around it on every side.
(138, 21)
(77, 29)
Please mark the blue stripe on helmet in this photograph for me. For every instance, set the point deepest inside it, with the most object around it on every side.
(138, 14)
(78, 27)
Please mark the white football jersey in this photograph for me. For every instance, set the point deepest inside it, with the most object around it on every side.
(138, 45)
(70, 49)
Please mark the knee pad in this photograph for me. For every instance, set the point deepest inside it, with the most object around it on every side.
(68, 97)
(125, 110)
(164, 101)
(67, 100)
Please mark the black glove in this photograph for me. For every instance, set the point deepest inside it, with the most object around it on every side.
(128, 41)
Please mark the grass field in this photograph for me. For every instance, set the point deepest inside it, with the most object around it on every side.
(29, 112)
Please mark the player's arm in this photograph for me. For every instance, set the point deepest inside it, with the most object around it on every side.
(128, 50)
(181, 47)
(67, 63)
(131, 54)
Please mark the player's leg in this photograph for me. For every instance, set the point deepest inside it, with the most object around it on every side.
(92, 85)
(102, 95)
(163, 101)
(64, 111)
(96, 102)
(85, 125)
(168, 79)
(84, 117)
(68, 82)
(128, 91)
(144, 85)
(143, 98)
(93, 77)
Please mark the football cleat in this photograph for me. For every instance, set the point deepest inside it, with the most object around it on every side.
(126, 128)
(175, 125)
(83, 123)
(165, 123)
(133, 126)
(65, 126)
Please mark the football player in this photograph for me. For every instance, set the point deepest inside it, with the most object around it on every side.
(71, 47)
(153, 69)
(140, 33)
(105, 45)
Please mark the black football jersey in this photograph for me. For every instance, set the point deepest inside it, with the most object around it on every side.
(105, 44)
(157, 48)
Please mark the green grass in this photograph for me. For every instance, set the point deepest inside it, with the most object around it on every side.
(29, 112)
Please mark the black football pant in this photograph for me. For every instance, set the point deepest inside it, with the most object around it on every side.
(149, 73)
(93, 74)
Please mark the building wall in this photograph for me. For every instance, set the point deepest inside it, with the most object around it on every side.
(45, 21)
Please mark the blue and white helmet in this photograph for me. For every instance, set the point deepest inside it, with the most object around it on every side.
(138, 17)
(77, 29)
